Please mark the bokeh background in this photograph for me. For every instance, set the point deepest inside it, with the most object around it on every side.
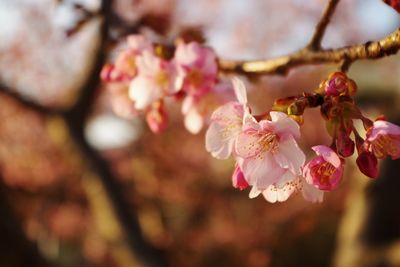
(78, 183)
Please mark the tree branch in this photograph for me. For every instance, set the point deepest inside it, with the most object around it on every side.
(370, 50)
(315, 43)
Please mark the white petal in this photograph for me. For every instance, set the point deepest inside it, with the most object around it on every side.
(193, 121)
(312, 194)
(254, 192)
(284, 124)
(143, 92)
(240, 90)
(220, 147)
(289, 155)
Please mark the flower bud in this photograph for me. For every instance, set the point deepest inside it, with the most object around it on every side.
(238, 180)
(368, 164)
(344, 144)
(157, 117)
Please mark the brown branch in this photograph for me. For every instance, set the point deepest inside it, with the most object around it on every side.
(370, 50)
(315, 43)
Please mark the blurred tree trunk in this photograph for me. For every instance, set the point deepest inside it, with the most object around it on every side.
(15, 249)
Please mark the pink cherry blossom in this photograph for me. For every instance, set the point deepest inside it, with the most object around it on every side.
(226, 124)
(137, 43)
(156, 78)
(383, 139)
(197, 67)
(324, 171)
(269, 150)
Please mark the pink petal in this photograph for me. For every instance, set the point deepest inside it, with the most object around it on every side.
(230, 113)
(284, 125)
(310, 193)
(383, 128)
(261, 171)
(216, 143)
(240, 90)
(289, 155)
(247, 143)
(328, 154)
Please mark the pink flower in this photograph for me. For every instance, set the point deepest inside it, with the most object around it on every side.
(226, 124)
(280, 192)
(137, 43)
(156, 78)
(384, 139)
(238, 179)
(324, 171)
(197, 67)
(269, 151)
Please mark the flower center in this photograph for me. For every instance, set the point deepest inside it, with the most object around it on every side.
(269, 142)
(383, 146)
(323, 172)
(162, 79)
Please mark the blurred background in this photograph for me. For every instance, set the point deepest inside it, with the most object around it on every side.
(80, 186)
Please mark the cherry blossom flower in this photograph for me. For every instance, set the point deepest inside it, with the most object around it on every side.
(156, 78)
(197, 67)
(383, 138)
(324, 171)
(269, 150)
(226, 124)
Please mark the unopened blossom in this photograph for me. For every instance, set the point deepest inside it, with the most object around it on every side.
(383, 139)
(269, 150)
(238, 179)
(226, 123)
(339, 84)
(197, 67)
(156, 78)
(280, 192)
(367, 163)
(157, 117)
(324, 171)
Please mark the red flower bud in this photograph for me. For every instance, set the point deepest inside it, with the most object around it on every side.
(368, 164)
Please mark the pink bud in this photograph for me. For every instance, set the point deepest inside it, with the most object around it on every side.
(157, 117)
(336, 84)
(344, 145)
(368, 164)
(238, 180)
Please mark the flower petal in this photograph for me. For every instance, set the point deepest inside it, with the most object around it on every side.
(240, 90)
(143, 92)
(284, 125)
(262, 170)
(193, 121)
(310, 193)
(289, 155)
(216, 142)
(328, 154)
(254, 192)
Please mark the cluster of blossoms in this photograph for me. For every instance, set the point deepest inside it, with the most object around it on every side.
(268, 158)
(145, 75)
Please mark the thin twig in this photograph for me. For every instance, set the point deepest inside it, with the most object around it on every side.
(315, 43)
(370, 50)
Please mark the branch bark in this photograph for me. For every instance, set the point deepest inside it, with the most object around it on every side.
(315, 43)
(281, 65)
